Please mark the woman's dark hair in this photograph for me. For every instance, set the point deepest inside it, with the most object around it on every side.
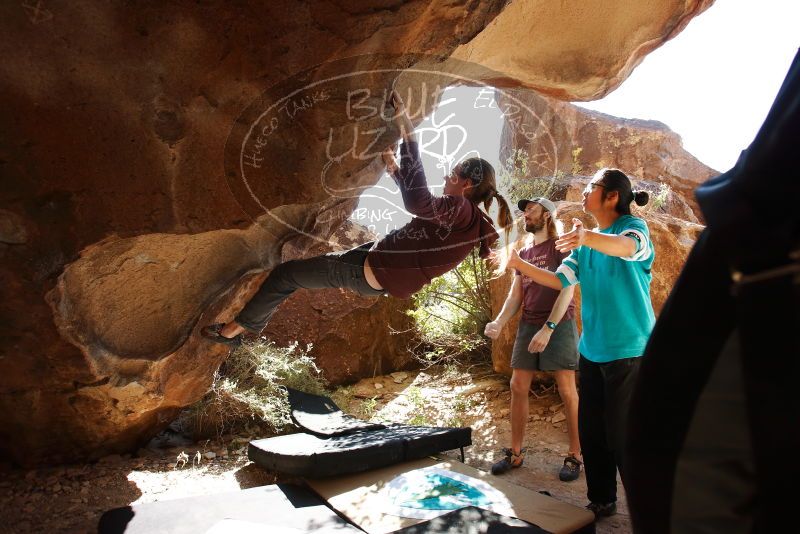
(481, 173)
(616, 180)
(484, 190)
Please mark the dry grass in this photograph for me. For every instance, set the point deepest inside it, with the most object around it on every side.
(248, 392)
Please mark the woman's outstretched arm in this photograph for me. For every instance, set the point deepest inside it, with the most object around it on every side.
(610, 244)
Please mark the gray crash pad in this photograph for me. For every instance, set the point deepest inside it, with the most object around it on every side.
(275, 508)
(337, 444)
(320, 416)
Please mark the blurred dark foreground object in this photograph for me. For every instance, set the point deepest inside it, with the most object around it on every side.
(715, 418)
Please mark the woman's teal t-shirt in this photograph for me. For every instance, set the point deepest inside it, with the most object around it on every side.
(616, 311)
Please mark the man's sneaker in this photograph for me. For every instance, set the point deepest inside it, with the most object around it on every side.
(571, 469)
(510, 461)
(602, 510)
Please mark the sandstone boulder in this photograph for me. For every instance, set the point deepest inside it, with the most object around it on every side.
(569, 140)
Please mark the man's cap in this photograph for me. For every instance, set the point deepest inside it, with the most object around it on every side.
(545, 203)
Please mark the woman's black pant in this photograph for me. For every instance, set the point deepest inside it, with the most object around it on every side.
(336, 269)
(605, 395)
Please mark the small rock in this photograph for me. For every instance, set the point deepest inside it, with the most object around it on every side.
(535, 417)
(210, 455)
(554, 408)
(398, 377)
(504, 412)
(378, 385)
(56, 488)
(557, 418)
(548, 419)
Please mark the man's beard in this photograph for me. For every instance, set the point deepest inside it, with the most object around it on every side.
(535, 226)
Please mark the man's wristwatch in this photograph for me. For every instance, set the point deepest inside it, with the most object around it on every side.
(551, 325)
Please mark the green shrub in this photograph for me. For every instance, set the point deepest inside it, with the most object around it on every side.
(249, 389)
(418, 412)
(514, 182)
(451, 312)
(659, 200)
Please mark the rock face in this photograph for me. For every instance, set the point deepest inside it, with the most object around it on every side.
(606, 39)
(158, 158)
(353, 337)
(570, 140)
(568, 146)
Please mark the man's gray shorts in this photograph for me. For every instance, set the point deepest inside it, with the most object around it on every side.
(561, 353)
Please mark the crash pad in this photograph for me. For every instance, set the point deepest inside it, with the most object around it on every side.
(334, 443)
(321, 416)
(472, 520)
(376, 503)
(307, 455)
(275, 508)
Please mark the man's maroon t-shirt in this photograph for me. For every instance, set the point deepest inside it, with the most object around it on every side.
(538, 300)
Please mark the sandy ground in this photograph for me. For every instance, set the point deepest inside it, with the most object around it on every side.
(71, 498)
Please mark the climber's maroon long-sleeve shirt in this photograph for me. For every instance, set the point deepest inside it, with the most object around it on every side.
(442, 233)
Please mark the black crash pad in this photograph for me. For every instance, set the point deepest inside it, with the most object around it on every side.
(307, 455)
(473, 520)
(320, 416)
(262, 509)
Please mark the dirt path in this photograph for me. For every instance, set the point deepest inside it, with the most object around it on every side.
(70, 499)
